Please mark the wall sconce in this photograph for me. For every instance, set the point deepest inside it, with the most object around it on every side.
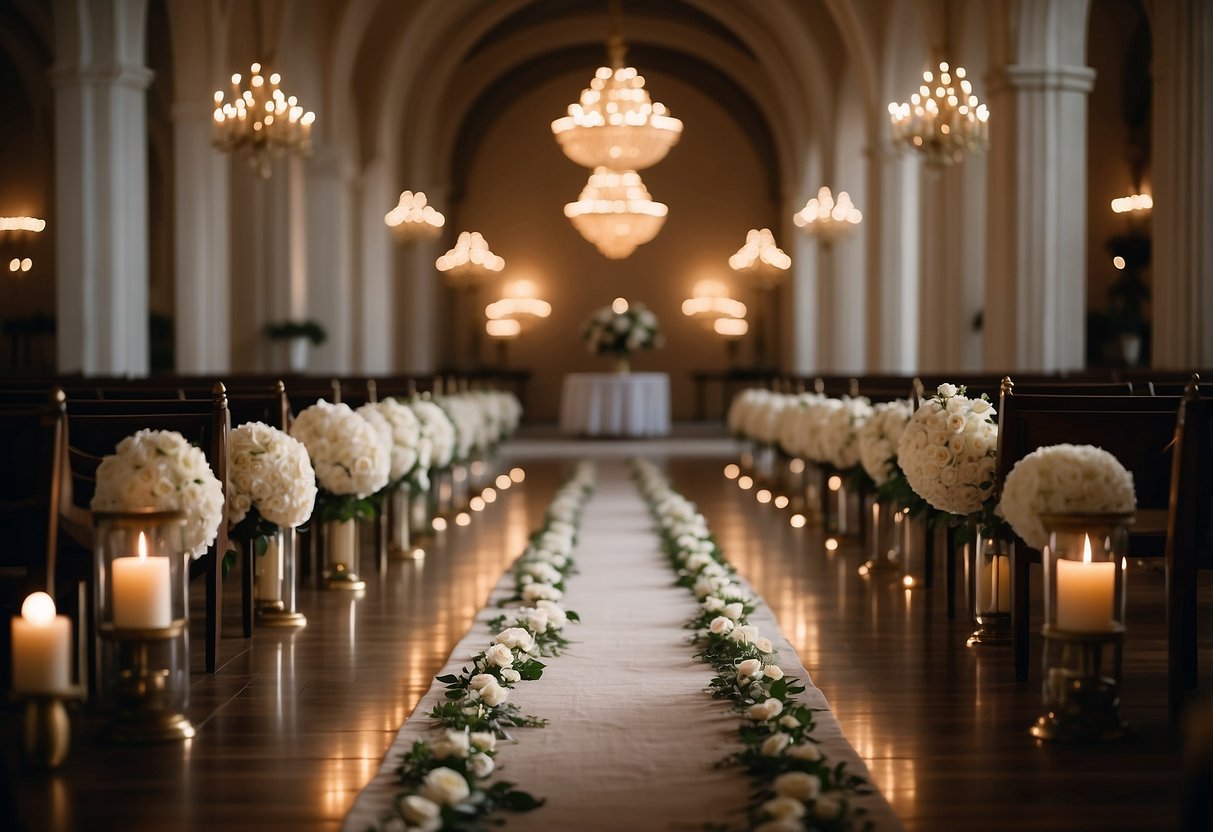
(505, 316)
(16, 236)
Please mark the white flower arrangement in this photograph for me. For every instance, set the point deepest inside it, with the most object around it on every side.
(815, 414)
(469, 430)
(400, 427)
(839, 436)
(268, 471)
(350, 457)
(608, 332)
(158, 469)
(878, 438)
(1062, 479)
(437, 434)
(947, 451)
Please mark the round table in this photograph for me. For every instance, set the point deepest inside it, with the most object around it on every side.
(615, 404)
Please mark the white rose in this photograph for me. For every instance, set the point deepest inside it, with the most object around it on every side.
(445, 786)
(720, 625)
(419, 810)
(510, 675)
(483, 740)
(783, 807)
(481, 765)
(493, 694)
(764, 645)
(749, 667)
(807, 751)
(499, 656)
(774, 745)
(453, 744)
(789, 721)
(712, 604)
(798, 784)
(828, 806)
(763, 711)
(516, 638)
(481, 681)
(733, 611)
(772, 671)
(746, 633)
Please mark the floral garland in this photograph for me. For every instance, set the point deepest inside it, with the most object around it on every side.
(795, 786)
(443, 781)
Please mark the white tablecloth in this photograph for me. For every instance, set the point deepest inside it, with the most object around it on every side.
(634, 734)
(615, 404)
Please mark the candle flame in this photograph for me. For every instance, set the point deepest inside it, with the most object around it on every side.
(38, 609)
(143, 545)
(1086, 548)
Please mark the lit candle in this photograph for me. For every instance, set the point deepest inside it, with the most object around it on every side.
(994, 588)
(269, 571)
(1084, 593)
(42, 647)
(142, 591)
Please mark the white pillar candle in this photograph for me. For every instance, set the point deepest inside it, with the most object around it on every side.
(42, 647)
(269, 571)
(142, 591)
(343, 545)
(994, 585)
(1085, 592)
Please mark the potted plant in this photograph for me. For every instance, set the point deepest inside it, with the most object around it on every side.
(298, 335)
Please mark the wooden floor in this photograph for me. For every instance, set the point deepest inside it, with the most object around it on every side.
(295, 723)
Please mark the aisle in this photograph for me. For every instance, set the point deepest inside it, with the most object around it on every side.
(633, 736)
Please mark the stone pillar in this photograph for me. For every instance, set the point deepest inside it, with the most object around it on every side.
(1182, 173)
(805, 312)
(203, 255)
(892, 261)
(1035, 309)
(101, 243)
(418, 285)
(374, 343)
(330, 293)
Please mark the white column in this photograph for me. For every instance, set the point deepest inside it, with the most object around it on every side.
(330, 293)
(374, 343)
(1035, 310)
(101, 241)
(892, 261)
(417, 285)
(203, 256)
(1182, 173)
(804, 311)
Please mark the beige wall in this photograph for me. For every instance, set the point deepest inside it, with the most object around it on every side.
(712, 182)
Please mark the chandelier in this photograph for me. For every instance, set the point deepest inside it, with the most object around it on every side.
(943, 120)
(827, 219)
(469, 262)
(615, 124)
(616, 213)
(260, 121)
(710, 299)
(764, 261)
(414, 219)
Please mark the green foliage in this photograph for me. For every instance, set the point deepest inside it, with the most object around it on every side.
(310, 329)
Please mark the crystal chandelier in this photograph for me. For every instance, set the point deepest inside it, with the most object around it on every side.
(615, 212)
(827, 219)
(469, 262)
(414, 219)
(615, 124)
(943, 120)
(764, 261)
(260, 121)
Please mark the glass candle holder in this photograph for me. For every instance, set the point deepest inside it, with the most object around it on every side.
(340, 541)
(1084, 569)
(400, 525)
(275, 585)
(913, 550)
(420, 517)
(842, 506)
(992, 591)
(459, 486)
(884, 556)
(141, 610)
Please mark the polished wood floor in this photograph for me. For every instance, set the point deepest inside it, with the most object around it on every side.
(295, 723)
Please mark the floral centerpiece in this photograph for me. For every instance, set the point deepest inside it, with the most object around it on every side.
(947, 453)
(351, 459)
(878, 438)
(621, 329)
(437, 449)
(1063, 479)
(270, 481)
(840, 435)
(158, 469)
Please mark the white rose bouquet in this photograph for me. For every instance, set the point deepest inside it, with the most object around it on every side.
(878, 438)
(270, 482)
(437, 449)
(947, 451)
(840, 433)
(158, 469)
(401, 428)
(1062, 479)
(351, 458)
(815, 413)
(620, 334)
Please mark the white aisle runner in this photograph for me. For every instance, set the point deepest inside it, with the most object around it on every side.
(633, 736)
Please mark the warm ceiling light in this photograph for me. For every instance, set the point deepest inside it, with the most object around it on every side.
(31, 224)
(510, 307)
(469, 262)
(943, 120)
(696, 306)
(731, 327)
(619, 305)
(414, 218)
(616, 213)
(503, 327)
(827, 218)
(1132, 203)
(260, 122)
(761, 258)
